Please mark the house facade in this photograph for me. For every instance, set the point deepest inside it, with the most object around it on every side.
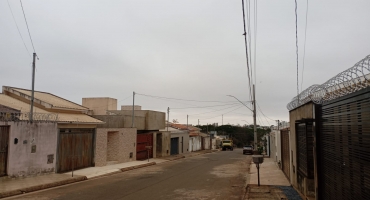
(60, 136)
(126, 137)
(329, 136)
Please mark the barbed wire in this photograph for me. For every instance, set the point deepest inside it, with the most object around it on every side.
(36, 117)
(344, 83)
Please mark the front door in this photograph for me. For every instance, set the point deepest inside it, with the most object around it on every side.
(4, 144)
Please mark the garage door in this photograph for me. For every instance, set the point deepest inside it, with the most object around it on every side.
(344, 148)
(144, 140)
(75, 149)
(174, 146)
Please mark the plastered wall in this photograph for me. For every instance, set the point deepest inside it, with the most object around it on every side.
(22, 161)
(303, 112)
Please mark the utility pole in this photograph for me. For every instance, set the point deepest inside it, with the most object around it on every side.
(187, 122)
(222, 120)
(254, 119)
(33, 86)
(168, 117)
(133, 110)
(198, 122)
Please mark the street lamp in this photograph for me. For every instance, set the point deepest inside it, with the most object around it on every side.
(254, 118)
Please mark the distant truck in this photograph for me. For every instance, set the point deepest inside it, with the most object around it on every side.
(227, 144)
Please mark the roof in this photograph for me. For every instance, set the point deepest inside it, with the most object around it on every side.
(184, 127)
(23, 107)
(173, 130)
(54, 100)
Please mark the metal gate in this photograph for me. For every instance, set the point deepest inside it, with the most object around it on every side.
(75, 149)
(144, 140)
(344, 147)
(305, 157)
(174, 146)
(285, 152)
(4, 144)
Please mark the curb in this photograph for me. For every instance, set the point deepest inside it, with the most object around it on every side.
(41, 187)
(124, 170)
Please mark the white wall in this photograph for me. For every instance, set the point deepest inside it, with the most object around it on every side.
(21, 162)
(195, 143)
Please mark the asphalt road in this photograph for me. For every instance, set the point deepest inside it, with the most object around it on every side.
(219, 175)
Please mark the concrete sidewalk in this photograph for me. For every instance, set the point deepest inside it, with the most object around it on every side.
(15, 186)
(274, 183)
(270, 174)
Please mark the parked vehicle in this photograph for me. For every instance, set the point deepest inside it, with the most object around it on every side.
(248, 149)
(227, 144)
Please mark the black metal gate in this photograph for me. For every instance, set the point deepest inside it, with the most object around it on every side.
(4, 144)
(174, 146)
(75, 149)
(344, 147)
(285, 158)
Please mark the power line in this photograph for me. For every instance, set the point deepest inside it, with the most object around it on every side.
(18, 29)
(304, 47)
(27, 27)
(263, 113)
(212, 111)
(159, 97)
(114, 103)
(207, 106)
(246, 51)
(296, 44)
(222, 114)
(255, 41)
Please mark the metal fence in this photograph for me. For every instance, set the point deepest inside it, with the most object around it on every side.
(37, 117)
(346, 82)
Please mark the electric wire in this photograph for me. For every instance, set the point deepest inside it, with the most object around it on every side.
(255, 42)
(246, 50)
(212, 111)
(264, 117)
(304, 46)
(250, 37)
(296, 44)
(263, 113)
(29, 33)
(207, 106)
(18, 29)
(159, 97)
(221, 114)
(114, 103)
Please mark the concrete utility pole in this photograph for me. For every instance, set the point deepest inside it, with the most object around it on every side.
(33, 86)
(222, 120)
(133, 110)
(187, 122)
(254, 119)
(168, 117)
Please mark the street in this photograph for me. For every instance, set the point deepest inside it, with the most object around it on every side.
(219, 175)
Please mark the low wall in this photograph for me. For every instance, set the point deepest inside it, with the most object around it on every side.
(30, 146)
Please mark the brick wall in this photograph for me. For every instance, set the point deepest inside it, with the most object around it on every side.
(122, 143)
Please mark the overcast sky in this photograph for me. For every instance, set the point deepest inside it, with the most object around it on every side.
(186, 49)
